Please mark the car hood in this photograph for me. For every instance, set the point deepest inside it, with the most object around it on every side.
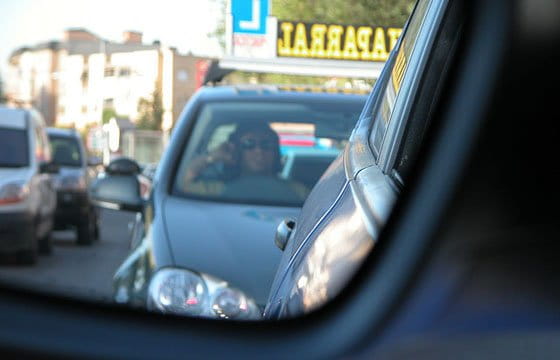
(229, 241)
(8, 175)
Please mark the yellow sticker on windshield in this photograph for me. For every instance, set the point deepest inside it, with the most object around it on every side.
(397, 74)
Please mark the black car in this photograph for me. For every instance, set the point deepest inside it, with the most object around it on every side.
(74, 208)
(240, 159)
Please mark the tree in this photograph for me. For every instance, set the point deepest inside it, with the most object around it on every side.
(220, 32)
(2, 98)
(360, 12)
(150, 112)
(108, 114)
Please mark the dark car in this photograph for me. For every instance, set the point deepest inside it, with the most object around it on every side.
(74, 208)
(240, 160)
(355, 197)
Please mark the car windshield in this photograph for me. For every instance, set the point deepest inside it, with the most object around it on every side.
(66, 151)
(269, 153)
(13, 148)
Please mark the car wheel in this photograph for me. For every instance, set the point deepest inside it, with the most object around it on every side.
(86, 232)
(45, 244)
(28, 257)
(97, 233)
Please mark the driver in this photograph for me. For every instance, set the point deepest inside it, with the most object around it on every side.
(253, 149)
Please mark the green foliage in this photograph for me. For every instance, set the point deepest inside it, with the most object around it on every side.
(220, 31)
(108, 114)
(2, 98)
(150, 112)
(359, 12)
(240, 77)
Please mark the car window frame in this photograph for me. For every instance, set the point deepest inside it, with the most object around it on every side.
(414, 72)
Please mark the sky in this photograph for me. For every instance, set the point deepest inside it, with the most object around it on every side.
(183, 24)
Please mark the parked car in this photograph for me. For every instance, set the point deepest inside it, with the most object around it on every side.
(74, 209)
(219, 192)
(355, 197)
(27, 196)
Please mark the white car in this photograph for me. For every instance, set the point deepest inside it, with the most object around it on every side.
(27, 196)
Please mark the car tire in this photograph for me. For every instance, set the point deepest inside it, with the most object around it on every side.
(96, 231)
(86, 232)
(45, 245)
(30, 255)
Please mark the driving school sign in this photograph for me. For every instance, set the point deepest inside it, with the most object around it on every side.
(253, 32)
(257, 41)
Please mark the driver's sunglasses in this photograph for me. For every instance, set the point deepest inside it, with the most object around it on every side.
(250, 144)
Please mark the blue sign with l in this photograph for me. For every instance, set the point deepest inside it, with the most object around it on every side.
(249, 16)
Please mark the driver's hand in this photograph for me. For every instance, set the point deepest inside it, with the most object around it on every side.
(224, 153)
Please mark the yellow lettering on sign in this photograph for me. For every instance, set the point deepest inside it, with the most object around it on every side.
(285, 44)
(350, 48)
(393, 34)
(300, 42)
(363, 37)
(379, 47)
(334, 36)
(318, 32)
(347, 42)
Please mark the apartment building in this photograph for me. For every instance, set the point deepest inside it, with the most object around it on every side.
(72, 81)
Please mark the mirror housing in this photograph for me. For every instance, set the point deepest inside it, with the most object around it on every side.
(49, 168)
(117, 192)
(123, 166)
(119, 187)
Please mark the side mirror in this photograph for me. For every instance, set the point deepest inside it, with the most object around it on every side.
(94, 161)
(117, 192)
(123, 166)
(283, 232)
(49, 168)
(119, 189)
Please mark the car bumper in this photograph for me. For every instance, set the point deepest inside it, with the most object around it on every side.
(72, 208)
(16, 231)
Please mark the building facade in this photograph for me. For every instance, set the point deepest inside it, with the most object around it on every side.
(73, 82)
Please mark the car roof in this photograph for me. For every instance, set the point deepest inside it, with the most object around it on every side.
(278, 92)
(13, 118)
(62, 132)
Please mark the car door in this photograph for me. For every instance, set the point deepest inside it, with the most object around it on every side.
(330, 248)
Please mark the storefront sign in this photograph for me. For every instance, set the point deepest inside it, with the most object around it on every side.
(331, 41)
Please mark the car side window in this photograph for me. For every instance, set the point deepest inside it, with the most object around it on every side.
(382, 113)
(427, 94)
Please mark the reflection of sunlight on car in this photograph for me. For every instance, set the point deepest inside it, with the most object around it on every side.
(339, 247)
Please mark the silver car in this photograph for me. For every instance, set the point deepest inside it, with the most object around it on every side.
(240, 160)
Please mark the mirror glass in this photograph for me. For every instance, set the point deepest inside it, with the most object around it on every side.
(179, 156)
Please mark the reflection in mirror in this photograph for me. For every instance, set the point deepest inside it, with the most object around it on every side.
(214, 198)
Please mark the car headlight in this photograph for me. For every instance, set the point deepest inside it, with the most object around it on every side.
(13, 193)
(183, 292)
(70, 182)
